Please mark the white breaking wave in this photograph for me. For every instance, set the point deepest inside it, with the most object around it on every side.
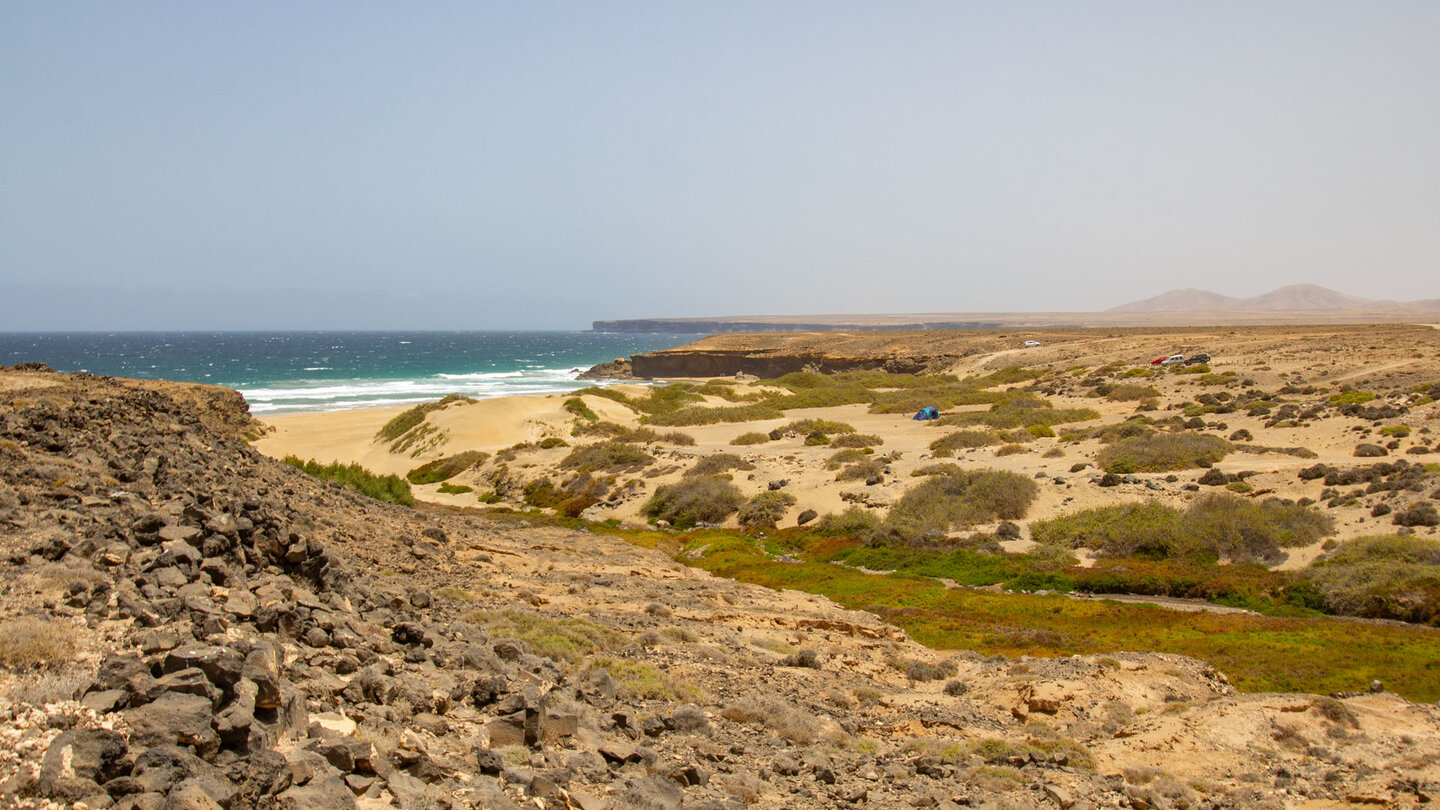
(342, 395)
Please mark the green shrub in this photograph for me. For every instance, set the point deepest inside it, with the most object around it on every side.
(717, 463)
(396, 428)
(856, 521)
(577, 406)
(764, 510)
(963, 440)
(560, 638)
(550, 442)
(608, 455)
(1351, 398)
(388, 488)
(848, 456)
(698, 415)
(1041, 431)
(1020, 413)
(696, 499)
(809, 426)
(1010, 450)
(1162, 452)
(1390, 577)
(753, 437)
(862, 470)
(857, 440)
(965, 497)
(640, 435)
(443, 469)
(1122, 393)
(1216, 526)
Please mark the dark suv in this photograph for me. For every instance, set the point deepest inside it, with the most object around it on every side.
(1197, 359)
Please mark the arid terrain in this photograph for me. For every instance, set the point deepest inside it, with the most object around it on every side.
(1278, 362)
(190, 623)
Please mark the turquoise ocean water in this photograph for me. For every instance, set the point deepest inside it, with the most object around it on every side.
(290, 372)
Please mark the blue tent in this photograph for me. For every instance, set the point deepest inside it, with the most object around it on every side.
(927, 413)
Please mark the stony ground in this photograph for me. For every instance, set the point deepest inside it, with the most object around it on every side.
(188, 624)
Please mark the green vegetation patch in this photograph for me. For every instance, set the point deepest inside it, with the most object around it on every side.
(389, 488)
(764, 510)
(1123, 393)
(752, 437)
(717, 463)
(613, 455)
(443, 469)
(1216, 526)
(637, 681)
(1162, 452)
(692, 500)
(559, 638)
(963, 440)
(577, 406)
(1257, 653)
(395, 431)
(1387, 577)
(1351, 398)
(927, 512)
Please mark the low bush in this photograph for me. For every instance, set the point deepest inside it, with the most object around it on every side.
(388, 488)
(842, 457)
(1216, 526)
(856, 440)
(753, 437)
(764, 510)
(785, 719)
(856, 521)
(804, 427)
(577, 406)
(560, 638)
(1122, 393)
(862, 470)
(443, 469)
(1351, 398)
(1162, 452)
(395, 430)
(695, 415)
(965, 497)
(692, 500)
(607, 455)
(717, 463)
(1389, 577)
(1010, 450)
(637, 681)
(963, 440)
(31, 643)
(453, 489)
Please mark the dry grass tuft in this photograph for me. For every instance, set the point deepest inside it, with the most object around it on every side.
(29, 643)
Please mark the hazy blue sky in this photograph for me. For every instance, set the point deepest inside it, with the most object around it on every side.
(539, 165)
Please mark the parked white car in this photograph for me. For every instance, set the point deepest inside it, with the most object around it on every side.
(1173, 360)
(1032, 343)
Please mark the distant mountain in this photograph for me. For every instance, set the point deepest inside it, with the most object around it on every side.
(1187, 300)
(1294, 298)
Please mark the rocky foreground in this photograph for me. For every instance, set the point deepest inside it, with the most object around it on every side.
(187, 624)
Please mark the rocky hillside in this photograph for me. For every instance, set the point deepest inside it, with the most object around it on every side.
(187, 624)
